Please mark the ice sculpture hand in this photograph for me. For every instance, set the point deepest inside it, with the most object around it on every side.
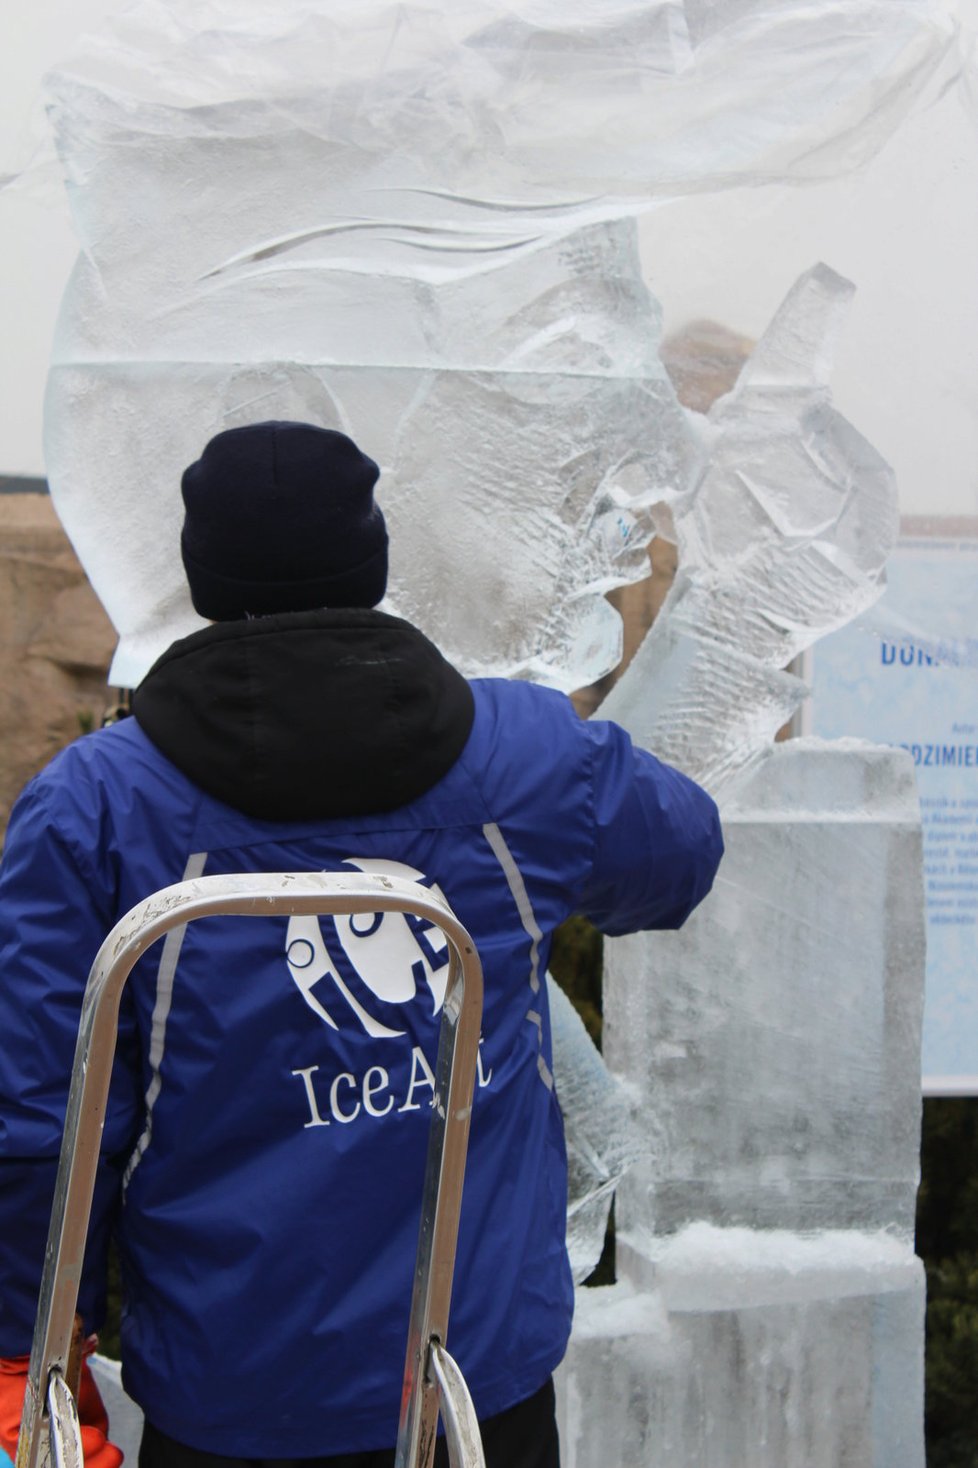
(784, 539)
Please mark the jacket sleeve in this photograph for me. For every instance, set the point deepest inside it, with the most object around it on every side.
(657, 839)
(54, 912)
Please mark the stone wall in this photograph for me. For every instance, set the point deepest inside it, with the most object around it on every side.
(56, 643)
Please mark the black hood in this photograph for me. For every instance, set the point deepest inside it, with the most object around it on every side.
(308, 714)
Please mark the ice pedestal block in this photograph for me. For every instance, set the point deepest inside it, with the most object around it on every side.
(769, 1307)
(819, 1366)
(776, 1037)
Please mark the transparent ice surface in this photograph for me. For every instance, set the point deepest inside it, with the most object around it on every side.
(416, 223)
(784, 538)
(776, 1036)
(603, 1137)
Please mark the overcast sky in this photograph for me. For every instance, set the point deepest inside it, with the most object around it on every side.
(905, 231)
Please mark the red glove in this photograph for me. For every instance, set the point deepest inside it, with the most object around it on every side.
(99, 1452)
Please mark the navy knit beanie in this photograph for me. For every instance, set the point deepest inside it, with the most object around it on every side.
(280, 517)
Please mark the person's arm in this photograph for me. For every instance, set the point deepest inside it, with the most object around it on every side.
(657, 843)
(55, 908)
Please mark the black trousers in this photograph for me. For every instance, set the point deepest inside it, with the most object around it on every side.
(524, 1436)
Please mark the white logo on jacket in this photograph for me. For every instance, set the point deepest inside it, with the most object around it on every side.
(369, 964)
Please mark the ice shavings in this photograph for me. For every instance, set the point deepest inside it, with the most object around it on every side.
(705, 1267)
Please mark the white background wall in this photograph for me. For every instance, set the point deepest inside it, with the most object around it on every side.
(905, 230)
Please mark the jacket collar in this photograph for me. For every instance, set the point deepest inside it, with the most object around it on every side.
(308, 715)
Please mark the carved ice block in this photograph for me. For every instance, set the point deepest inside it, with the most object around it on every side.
(806, 1377)
(775, 1039)
(769, 1306)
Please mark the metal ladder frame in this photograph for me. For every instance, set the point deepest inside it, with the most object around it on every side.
(432, 1380)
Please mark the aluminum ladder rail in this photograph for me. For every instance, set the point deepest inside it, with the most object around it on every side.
(50, 1431)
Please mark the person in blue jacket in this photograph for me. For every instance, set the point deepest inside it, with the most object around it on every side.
(265, 1140)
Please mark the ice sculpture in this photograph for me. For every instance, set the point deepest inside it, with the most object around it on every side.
(768, 1306)
(417, 223)
(418, 226)
(784, 538)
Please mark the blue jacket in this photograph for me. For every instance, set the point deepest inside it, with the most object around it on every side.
(265, 1141)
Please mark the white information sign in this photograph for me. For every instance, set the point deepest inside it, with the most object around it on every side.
(907, 674)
